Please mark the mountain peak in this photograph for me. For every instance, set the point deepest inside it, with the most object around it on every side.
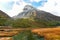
(34, 13)
(28, 7)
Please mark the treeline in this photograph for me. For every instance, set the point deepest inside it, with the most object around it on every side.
(48, 23)
(24, 23)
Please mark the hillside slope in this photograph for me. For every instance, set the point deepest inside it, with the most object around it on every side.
(3, 15)
(31, 12)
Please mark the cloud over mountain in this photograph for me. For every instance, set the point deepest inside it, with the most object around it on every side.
(52, 6)
(13, 7)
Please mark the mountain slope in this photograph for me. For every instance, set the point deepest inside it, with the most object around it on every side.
(3, 15)
(31, 12)
(4, 19)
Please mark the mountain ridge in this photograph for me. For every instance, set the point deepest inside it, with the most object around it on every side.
(4, 15)
(32, 12)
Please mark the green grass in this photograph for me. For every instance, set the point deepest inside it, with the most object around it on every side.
(27, 35)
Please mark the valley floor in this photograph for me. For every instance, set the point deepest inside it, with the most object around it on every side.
(47, 33)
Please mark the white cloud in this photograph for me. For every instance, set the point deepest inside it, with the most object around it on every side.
(4, 0)
(17, 8)
(7, 0)
(52, 6)
(3, 4)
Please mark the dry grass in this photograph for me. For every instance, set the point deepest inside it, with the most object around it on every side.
(6, 38)
(48, 33)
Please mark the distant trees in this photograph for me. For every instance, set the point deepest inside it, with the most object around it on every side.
(4, 19)
(48, 23)
(21, 23)
(3, 22)
(24, 23)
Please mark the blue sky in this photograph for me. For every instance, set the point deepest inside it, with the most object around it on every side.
(13, 7)
(7, 5)
(36, 4)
